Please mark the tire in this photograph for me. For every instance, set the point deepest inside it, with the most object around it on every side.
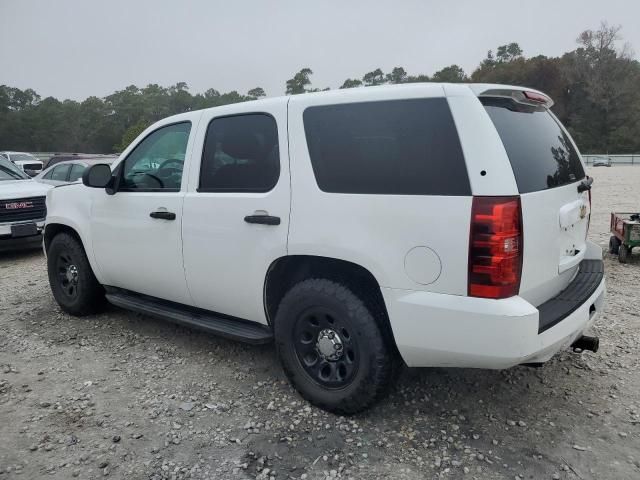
(623, 254)
(73, 284)
(354, 375)
(614, 244)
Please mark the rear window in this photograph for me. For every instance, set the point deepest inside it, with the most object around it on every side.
(541, 153)
(398, 147)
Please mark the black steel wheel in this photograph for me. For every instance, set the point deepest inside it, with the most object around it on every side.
(72, 282)
(331, 346)
(326, 347)
(67, 274)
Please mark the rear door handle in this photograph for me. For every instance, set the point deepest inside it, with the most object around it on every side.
(163, 215)
(262, 219)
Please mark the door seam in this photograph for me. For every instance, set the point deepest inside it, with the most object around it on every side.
(184, 196)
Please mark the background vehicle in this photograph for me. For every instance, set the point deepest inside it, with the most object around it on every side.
(70, 171)
(625, 228)
(62, 157)
(443, 224)
(65, 157)
(22, 208)
(601, 162)
(25, 161)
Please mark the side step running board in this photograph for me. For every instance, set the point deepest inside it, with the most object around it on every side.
(234, 329)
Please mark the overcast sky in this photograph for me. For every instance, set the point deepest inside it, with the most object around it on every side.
(78, 48)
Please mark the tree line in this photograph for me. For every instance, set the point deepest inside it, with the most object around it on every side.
(596, 89)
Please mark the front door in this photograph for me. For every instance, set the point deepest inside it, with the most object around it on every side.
(137, 231)
(236, 211)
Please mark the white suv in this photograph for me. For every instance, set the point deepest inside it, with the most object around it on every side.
(441, 224)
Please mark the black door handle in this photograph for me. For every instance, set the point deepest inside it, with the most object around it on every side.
(262, 219)
(163, 215)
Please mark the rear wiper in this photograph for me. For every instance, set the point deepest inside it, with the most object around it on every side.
(585, 185)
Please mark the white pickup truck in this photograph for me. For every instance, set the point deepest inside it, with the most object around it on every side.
(22, 208)
(24, 161)
(442, 224)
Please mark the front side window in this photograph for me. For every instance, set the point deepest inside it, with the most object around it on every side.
(240, 154)
(156, 162)
(59, 173)
(76, 172)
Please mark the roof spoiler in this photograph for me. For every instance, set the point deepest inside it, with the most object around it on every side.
(527, 97)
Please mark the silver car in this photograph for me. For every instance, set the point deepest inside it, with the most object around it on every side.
(67, 172)
(601, 162)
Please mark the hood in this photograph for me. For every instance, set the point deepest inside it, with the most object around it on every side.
(22, 188)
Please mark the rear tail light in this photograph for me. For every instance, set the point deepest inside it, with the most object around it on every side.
(527, 97)
(590, 206)
(495, 247)
(535, 97)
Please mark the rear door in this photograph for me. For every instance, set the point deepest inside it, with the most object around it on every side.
(548, 170)
(236, 211)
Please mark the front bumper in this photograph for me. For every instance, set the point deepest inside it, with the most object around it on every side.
(432, 329)
(8, 242)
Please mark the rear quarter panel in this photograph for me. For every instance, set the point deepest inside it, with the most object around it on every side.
(376, 231)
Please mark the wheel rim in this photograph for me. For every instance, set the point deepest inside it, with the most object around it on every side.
(68, 274)
(326, 348)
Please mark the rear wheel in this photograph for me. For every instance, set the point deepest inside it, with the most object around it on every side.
(614, 245)
(73, 284)
(331, 346)
(623, 253)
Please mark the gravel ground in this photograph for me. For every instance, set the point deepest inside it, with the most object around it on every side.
(121, 395)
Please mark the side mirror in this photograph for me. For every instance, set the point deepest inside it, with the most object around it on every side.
(97, 176)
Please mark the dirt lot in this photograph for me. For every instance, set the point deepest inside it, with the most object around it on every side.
(124, 396)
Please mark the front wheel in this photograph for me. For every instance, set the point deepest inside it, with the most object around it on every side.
(73, 284)
(331, 347)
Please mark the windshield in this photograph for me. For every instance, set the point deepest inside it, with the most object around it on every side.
(8, 171)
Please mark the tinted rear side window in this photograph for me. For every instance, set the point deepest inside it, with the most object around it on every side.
(541, 153)
(398, 147)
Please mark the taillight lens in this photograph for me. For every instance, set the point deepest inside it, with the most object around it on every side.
(590, 207)
(495, 247)
(536, 97)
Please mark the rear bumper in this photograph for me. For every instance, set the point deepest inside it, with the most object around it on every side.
(433, 329)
